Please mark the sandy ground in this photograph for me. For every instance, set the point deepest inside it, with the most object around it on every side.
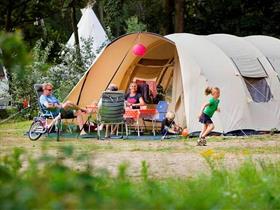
(178, 158)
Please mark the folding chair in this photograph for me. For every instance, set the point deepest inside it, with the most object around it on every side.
(162, 108)
(111, 111)
(39, 125)
(132, 118)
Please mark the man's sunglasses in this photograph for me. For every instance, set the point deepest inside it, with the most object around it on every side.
(49, 89)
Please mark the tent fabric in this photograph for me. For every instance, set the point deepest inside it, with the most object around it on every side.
(4, 88)
(241, 52)
(249, 67)
(196, 62)
(270, 47)
(89, 27)
(275, 63)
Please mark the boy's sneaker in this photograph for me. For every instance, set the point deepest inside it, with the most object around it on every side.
(199, 142)
(204, 142)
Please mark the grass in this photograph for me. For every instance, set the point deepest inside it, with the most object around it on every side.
(14, 129)
(126, 174)
(251, 150)
(48, 183)
(14, 132)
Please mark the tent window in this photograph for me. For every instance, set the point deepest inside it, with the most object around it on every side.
(258, 89)
(249, 67)
(153, 62)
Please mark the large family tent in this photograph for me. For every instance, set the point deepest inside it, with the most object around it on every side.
(185, 64)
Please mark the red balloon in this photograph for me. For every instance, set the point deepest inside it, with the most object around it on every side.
(139, 50)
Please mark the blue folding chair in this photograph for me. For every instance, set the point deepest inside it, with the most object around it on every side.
(162, 107)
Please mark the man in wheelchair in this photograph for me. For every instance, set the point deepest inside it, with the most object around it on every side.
(68, 110)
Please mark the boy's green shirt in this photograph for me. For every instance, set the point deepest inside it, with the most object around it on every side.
(212, 107)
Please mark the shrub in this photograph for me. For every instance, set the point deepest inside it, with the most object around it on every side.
(48, 183)
(25, 70)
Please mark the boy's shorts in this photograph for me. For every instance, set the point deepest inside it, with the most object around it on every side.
(67, 114)
(205, 119)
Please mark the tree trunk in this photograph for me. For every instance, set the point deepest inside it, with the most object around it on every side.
(168, 8)
(179, 16)
(101, 12)
(75, 30)
(8, 20)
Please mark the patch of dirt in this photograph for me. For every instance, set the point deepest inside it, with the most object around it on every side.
(170, 164)
(164, 158)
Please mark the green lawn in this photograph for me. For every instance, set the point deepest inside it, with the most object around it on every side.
(230, 173)
(12, 135)
(179, 158)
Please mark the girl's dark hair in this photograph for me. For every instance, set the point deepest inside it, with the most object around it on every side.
(208, 91)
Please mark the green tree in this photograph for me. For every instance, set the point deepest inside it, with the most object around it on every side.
(114, 17)
(16, 59)
(239, 17)
(134, 25)
(27, 15)
(14, 55)
(72, 6)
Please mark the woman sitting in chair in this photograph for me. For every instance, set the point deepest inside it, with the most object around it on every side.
(134, 99)
(113, 128)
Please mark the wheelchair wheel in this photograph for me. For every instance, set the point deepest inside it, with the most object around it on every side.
(36, 130)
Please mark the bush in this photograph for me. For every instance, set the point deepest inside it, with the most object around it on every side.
(26, 69)
(134, 25)
(47, 183)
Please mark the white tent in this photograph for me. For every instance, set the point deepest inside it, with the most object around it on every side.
(269, 47)
(4, 88)
(90, 27)
(185, 64)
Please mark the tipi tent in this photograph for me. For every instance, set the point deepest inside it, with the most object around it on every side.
(4, 88)
(89, 27)
(185, 64)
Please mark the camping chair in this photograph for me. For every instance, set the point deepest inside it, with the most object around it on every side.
(42, 112)
(40, 124)
(111, 110)
(162, 107)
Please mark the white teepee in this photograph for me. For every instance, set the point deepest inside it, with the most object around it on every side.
(90, 27)
(4, 88)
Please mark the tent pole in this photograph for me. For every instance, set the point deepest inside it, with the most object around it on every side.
(80, 94)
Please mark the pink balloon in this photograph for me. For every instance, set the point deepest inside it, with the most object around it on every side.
(139, 50)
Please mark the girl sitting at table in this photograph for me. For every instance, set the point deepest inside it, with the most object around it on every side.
(134, 99)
